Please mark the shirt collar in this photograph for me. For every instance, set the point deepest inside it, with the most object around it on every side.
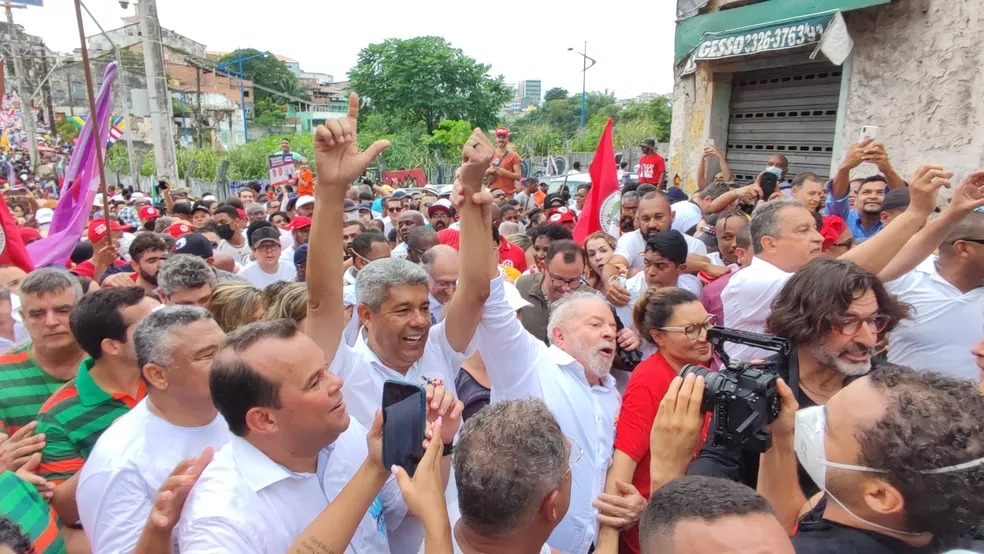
(765, 266)
(568, 364)
(260, 471)
(361, 347)
(91, 394)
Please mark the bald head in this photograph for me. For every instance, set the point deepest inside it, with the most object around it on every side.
(971, 227)
(408, 221)
(419, 240)
(441, 264)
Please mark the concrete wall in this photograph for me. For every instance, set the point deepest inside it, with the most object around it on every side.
(916, 73)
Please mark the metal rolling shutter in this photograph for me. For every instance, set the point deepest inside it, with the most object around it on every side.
(790, 111)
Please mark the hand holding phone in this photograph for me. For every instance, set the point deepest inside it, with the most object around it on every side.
(868, 132)
(404, 421)
(768, 182)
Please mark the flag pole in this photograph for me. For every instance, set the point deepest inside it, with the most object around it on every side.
(95, 120)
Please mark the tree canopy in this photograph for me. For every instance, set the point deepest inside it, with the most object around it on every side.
(425, 80)
(267, 71)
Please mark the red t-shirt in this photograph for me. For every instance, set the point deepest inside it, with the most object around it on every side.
(646, 389)
(651, 169)
(511, 255)
(88, 269)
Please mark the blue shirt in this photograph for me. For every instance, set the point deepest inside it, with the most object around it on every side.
(842, 207)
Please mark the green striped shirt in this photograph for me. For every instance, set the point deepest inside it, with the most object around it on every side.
(73, 418)
(21, 503)
(24, 387)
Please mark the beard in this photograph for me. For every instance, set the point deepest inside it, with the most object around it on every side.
(871, 209)
(152, 279)
(627, 224)
(835, 361)
(597, 362)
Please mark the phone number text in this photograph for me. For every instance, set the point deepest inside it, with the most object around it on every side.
(773, 39)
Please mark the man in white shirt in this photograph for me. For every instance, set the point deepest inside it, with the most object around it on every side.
(408, 221)
(654, 215)
(267, 268)
(294, 448)
(300, 229)
(130, 461)
(688, 213)
(441, 265)
(572, 377)
(230, 225)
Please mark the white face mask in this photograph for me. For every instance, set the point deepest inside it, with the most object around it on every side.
(777, 171)
(809, 438)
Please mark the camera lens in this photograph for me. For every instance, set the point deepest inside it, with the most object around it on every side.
(712, 384)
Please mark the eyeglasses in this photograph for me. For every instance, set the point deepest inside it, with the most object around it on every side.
(267, 247)
(852, 325)
(570, 283)
(693, 330)
(394, 209)
(573, 457)
(444, 284)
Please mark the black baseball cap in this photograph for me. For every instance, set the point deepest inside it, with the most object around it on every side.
(200, 207)
(264, 234)
(194, 244)
(182, 208)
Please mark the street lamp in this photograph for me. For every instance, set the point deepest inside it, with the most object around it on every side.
(584, 80)
(242, 91)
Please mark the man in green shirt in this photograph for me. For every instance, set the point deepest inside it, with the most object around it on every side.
(26, 517)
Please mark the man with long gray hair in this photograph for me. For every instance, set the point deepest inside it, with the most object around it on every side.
(177, 420)
(512, 502)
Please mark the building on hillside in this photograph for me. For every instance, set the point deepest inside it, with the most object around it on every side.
(130, 34)
(802, 78)
(530, 91)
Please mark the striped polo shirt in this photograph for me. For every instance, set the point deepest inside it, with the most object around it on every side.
(73, 418)
(21, 503)
(24, 387)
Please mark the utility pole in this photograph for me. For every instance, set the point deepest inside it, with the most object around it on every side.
(46, 92)
(20, 85)
(160, 105)
(198, 106)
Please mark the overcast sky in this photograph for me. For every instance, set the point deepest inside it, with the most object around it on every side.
(521, 39)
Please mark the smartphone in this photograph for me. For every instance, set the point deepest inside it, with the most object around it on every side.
(768, 184)
(868, 132)
(404, 421)
(710, 143)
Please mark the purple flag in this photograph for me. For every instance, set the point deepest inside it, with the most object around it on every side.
(80, 185)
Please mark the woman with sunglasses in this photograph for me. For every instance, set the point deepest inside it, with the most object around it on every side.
(675, 322)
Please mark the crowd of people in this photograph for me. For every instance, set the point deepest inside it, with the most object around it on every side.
(207, 374)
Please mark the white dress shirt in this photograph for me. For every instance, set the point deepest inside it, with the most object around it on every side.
(686, 214)
(632, 245)
(130, 461)
(246, 503)
(436, 309)
(523, 367)
(944, 325)
(400, 251)
(747, 302)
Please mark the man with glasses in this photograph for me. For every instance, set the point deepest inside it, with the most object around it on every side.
(267, 268)
(394, 207)
(563, 272)
(440, 215)
(441, 264)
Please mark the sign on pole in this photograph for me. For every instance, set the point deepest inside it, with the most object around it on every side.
(281, 168)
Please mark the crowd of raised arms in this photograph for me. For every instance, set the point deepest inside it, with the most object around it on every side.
(725, 372)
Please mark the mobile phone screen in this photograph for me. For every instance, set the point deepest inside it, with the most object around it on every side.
(768, 184)
(404, 418)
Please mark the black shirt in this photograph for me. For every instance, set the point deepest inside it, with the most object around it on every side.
(471, 393)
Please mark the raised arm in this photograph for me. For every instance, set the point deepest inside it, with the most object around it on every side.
(875, 253)
(853, 158)
(339, 162)
(879, 157)
(968, 196)
(465, 309)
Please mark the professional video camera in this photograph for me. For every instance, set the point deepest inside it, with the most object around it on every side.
(742, 395)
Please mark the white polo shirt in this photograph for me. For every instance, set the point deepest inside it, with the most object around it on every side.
(523, 367)
(944, 325)
(747, 301)
(246, 503)
(631, 246)
(130, 461)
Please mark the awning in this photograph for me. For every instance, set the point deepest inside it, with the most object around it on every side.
(827, 31)
(770, 15)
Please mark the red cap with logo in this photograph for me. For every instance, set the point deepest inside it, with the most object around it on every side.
(502, 131)
(299, 222)
(561, 215)
(97, 229)
(146, 213)
(179, 229)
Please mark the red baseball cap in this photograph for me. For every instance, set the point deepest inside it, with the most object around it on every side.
(242, 214)
(299, 222)
(561, 215)
(97, 229)
(832, 229)
(502, 131)
(179, 229)
(146, 213)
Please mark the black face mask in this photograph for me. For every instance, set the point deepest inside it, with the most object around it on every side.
(224, 231)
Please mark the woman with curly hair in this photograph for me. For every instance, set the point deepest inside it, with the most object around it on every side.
(235, 305)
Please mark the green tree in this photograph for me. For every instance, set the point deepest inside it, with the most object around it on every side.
(270, 113)
(555, 93)
(448, 138)
(66, 130)
(269, 72)
(425, 80)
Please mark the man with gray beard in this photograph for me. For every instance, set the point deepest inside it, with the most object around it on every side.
(835, 314)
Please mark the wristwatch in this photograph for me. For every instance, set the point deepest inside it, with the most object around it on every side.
(448, 449)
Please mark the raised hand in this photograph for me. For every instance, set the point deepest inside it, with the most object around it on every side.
(924, 187)
(476, 155)
(441, 404)
(969, 194)
(336, 150)
(424, 493)
(677, 428)
(856, 154)
(172, 494)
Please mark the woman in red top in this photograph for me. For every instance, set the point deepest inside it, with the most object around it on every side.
(675, 321)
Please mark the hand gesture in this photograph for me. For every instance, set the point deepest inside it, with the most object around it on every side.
(336, 150)
(172, 495)
(969, 194)
(676, 430)
(627, 339)
(476, 156)
(856, 154)
(18, 448)
(117, 280)
(620, 510)
(424, 493)
(28, 473)
(876, 154)
(106, 255)
(441, 403)
(712, 152)
(924, 187)
(615, 293)
(782, 428)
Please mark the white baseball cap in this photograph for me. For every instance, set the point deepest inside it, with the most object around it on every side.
(515, 300)
(44, 216)
(303, 201)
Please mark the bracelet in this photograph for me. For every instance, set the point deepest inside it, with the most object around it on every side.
(448, 449)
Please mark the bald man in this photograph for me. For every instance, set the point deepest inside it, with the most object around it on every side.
(441, 264)
(408, 221)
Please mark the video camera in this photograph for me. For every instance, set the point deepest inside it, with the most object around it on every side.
(742, 395)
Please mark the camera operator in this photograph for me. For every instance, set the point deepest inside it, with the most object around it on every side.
(899, 456)
(832, 312)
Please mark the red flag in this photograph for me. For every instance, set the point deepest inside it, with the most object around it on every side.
(12, 248)
(605, 193)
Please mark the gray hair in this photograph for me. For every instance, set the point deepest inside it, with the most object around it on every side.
(765, 220)
(374, 281)
(564, 309)
(714, 190)
(507, 228)
(152, 337)
(50, 280)
(184, 271)
(508, 457)
(631, 196)
(255, 207)
(431, 256)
